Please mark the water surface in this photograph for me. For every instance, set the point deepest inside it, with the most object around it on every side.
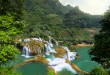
(84, 61)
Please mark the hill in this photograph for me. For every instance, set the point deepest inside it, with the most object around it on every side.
(50, 17)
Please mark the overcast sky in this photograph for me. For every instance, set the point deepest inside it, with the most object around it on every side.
(95, 7)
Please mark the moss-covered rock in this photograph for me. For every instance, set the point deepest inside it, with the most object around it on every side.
(67, 61)
(35, 46)
(37, 59)
(41, 59)
(60, 52)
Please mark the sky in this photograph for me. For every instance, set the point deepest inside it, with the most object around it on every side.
(94, 7)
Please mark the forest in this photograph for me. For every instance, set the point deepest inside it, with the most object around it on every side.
(43, 18)
(58, 21)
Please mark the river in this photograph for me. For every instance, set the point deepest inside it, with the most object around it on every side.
(83, 62)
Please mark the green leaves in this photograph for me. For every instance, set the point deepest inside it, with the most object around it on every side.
(101, 49)
(8, 71)
(11, 24)
(8, 28)
(99, 71)
(8, 52)
(4, 37)
(5, 22)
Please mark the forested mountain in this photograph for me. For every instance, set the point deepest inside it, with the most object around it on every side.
(56, 20)
(77, 18)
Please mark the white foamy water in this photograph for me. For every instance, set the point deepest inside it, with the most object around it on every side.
(70, 55)
(49, 47)
(58, 64)
(25, 52)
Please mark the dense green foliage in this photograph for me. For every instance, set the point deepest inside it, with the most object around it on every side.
(101, 49)
(99, 71)
(8, 52)
(8, 71)
(50, 17)
(77, 18)
(51, 73)
(11, 24)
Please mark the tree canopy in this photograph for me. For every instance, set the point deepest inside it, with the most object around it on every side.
(11, 24)
(101, 50)
(58, 21)
(99, 71)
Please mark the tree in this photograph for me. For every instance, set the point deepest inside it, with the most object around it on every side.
(8, 71)
(11, 24)
(101, 50)
(99, 71)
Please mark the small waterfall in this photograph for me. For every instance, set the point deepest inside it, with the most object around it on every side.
(25, 52)
(49, 47)
(39, 51)
(69, 55)
(46, 48)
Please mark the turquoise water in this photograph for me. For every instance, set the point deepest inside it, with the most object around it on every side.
(33, 69)
(84, 61)
(65, 72)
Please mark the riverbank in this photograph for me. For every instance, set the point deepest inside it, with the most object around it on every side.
(78, 46)
(84, 45)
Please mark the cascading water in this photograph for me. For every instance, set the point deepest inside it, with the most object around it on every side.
(70, 55)
(26, 49)
(46, 49)
(49, 47)
(57, 64)
(25, 52)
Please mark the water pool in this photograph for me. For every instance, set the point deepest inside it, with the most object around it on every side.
(84, 61)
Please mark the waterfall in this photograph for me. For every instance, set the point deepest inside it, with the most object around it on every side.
(69, 55)
(49, 47)
(46, 49)
(39, 51)
(25, 52)
(58, 64)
